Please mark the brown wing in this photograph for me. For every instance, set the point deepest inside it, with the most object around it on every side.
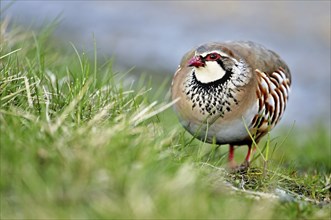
(272, 94)
(259, 57)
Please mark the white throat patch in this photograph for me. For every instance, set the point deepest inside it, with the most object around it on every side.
(211, 72)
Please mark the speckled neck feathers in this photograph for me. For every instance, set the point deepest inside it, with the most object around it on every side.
(217, 97)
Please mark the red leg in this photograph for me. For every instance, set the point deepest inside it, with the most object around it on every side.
(232, 163)
(250, 151)
(248, 155)
(231, 153)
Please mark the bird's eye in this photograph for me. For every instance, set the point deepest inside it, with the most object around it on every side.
(213, 56)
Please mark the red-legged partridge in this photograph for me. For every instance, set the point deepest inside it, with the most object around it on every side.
(223, 88)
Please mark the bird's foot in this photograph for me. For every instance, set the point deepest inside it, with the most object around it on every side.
(235, 168)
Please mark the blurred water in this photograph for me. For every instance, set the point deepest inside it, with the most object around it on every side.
(155, 35)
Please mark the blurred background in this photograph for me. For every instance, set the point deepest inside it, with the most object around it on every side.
(152, 36)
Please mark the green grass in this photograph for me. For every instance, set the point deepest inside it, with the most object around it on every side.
(81, 141)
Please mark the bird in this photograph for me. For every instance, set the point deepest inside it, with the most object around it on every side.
(231, 93)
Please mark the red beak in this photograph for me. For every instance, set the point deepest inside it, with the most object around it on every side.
(196, 61)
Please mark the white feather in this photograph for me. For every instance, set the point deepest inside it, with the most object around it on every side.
(212, 71)
(233, 130)
(213, 51)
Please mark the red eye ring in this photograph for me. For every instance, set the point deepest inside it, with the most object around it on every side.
(212, 57)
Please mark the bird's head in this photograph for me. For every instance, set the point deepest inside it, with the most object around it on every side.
(213, 65)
